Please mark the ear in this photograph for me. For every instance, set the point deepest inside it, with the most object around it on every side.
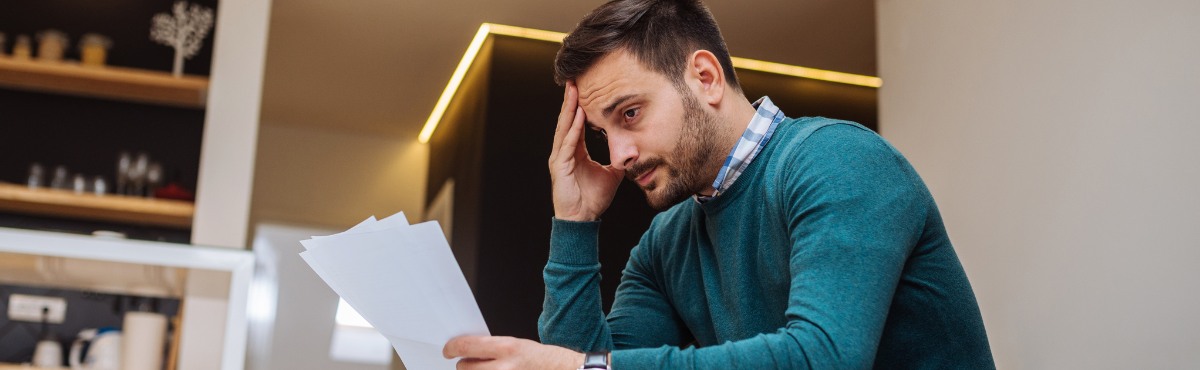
(704, 69)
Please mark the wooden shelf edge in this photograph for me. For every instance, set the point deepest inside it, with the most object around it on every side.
(108, 82)
(113, 208)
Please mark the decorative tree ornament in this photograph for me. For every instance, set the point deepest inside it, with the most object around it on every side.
(184, 30)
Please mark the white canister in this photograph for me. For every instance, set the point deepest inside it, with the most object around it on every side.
(48, 353)
(144, 337)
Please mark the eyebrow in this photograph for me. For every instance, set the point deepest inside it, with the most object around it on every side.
(611, 107)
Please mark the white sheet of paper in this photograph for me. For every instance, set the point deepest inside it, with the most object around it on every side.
(359, 227)
(370, 224)
(435, 264)
(417, 355)
(367, 272)
(403, 279)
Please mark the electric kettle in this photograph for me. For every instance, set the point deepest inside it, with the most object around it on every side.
(104, 352)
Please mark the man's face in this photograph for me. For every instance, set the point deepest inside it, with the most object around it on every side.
(660, 136)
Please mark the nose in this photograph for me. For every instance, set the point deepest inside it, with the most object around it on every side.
(622, 151)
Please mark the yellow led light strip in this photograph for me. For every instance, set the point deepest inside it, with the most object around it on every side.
(805, 72)
(528, 33)
(535, 34)
(456, 79)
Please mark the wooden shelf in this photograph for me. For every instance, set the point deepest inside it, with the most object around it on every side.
(118, 83)
(113, 208)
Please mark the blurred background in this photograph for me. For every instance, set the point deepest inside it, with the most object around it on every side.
(1057, 137)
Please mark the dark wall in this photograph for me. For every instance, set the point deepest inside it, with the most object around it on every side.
(498, 156)
(86, 135)
(456, 153)
(514, 213)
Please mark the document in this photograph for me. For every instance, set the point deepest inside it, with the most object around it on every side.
(404, 280)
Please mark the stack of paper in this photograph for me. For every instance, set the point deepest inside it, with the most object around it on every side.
(404, 281)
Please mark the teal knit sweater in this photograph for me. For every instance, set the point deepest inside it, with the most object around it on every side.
(827, 253)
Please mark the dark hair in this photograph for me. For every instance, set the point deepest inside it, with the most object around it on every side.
(661, 34)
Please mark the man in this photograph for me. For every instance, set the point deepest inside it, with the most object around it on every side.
(783, 243)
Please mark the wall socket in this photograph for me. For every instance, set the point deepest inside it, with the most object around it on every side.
(23, 307)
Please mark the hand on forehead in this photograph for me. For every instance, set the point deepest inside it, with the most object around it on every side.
(615, 78)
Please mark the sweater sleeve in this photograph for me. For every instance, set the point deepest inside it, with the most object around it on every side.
(853, 212)
(572, 313)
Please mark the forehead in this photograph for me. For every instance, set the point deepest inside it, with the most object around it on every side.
(617, 73)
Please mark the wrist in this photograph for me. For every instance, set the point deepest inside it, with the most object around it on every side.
(574, 243)
(576, 217)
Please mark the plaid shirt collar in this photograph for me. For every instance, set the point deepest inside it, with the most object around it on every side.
(767, 116)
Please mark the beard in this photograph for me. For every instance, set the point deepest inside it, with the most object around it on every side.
(693, 163)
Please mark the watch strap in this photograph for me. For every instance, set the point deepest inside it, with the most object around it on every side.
(595, 360)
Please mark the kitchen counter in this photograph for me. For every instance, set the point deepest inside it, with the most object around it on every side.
(7, 366)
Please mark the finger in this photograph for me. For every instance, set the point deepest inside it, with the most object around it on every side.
(565, 116)
(581, 149)
(461, 346)
(471, 364)
(573, 142)
(566, 103)
(477, 347)
(558, 125)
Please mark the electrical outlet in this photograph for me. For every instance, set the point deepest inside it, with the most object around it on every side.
(23, 307)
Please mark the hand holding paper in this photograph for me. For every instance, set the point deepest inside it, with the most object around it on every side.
(404, 280)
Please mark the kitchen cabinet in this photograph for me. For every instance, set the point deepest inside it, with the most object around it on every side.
(203, 126)
(219, 130)
(61, 112)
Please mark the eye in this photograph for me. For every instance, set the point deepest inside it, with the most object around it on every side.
(600, 134)
(631, 113)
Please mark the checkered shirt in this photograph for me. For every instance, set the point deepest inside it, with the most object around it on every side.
(762, 125)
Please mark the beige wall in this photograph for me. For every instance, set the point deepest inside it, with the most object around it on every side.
(320, 177)
(1060, 140)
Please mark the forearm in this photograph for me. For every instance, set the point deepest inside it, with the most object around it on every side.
(795, 347)
(572, 313)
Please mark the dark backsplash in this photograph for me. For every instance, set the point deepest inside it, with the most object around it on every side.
(84, 310)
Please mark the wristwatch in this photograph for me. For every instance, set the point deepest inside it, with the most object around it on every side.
(595, 360)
